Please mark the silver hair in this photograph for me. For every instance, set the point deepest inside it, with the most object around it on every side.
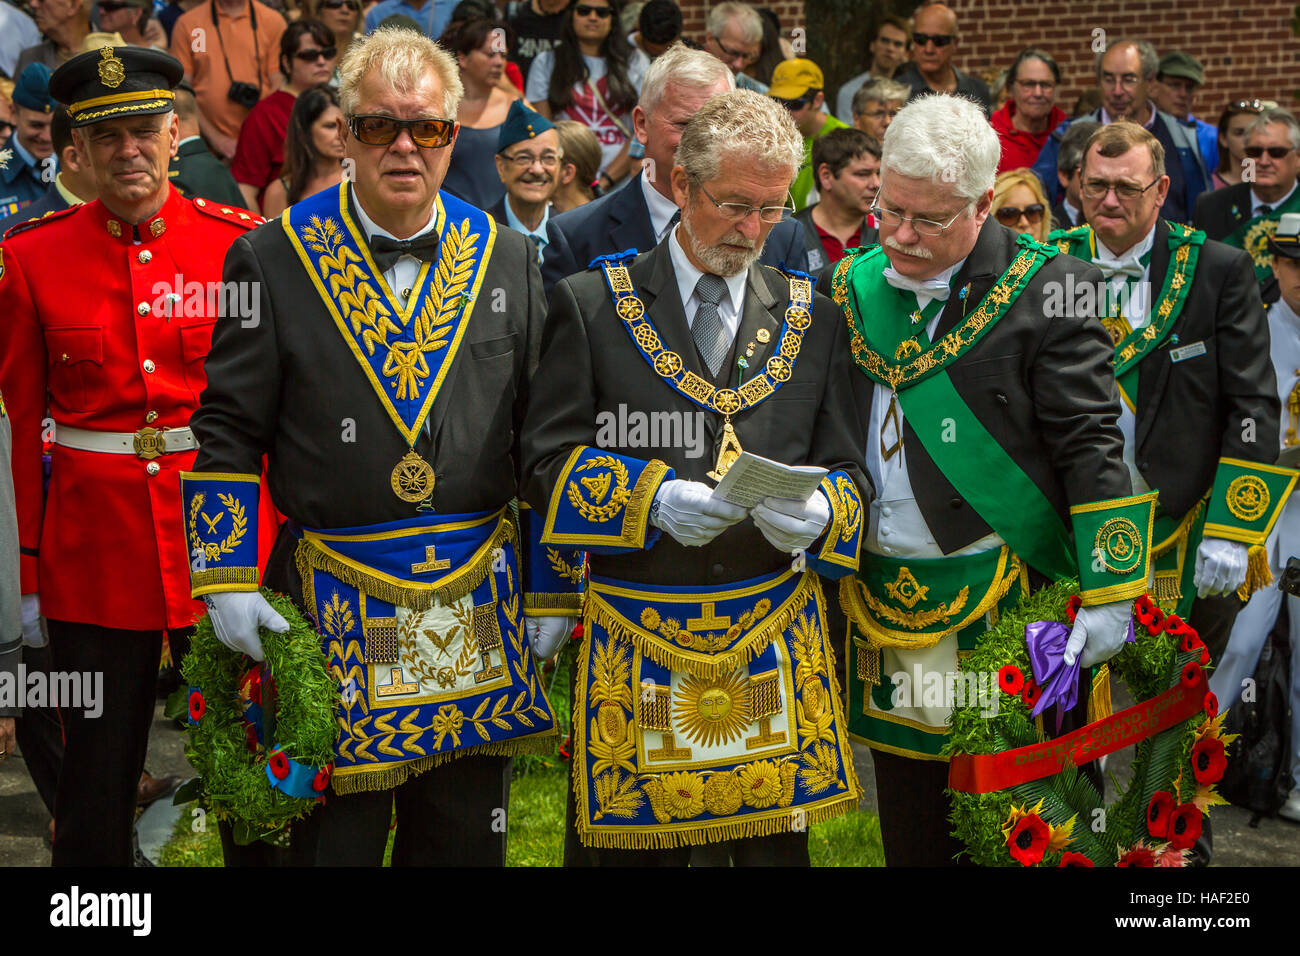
(402, 57)
(1147, 56)
(740, 123)
(1280, 116)
(746, 17)
(944, 138)
(880, 91)
(682, 66)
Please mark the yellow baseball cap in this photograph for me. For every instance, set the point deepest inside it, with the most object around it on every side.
(793, 78)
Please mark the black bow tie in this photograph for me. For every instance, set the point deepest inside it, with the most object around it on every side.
(387, 251)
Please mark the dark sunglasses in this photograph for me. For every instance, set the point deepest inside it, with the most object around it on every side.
(938, 39)
(1011, 214)
(582, 10)
(1274, 152)
(794, 105)
(112, 7)
(375, 130)
(336, 4)
(309, 56)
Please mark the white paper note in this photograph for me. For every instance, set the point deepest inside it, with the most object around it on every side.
(752, 478)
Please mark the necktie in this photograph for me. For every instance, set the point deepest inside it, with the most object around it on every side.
(387, 251)
(1132, 268)
(677, 217)
(710, 336)
(935, 288)
(1265, 209)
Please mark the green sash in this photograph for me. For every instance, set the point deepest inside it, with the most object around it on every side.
(1253, 236)
(969, 457)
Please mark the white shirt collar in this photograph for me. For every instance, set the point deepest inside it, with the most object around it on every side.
(661, 208)
(1132, 255)
(1070, 211)
(371, 230)
(688, 276)
(1256, 202)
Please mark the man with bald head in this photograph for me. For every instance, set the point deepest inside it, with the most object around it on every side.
(934, 43)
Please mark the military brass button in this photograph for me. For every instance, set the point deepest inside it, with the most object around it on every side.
(151, 417)
(148, 365)
(114, 228)
(199, 202)
(65, 356)
(157, 228)
(153, 467)
(145, 256)
(143, 308)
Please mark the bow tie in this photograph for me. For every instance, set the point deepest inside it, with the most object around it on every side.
(935, 288)
(1110, 268)
(387, 251)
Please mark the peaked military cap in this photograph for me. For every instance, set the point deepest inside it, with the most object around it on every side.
(116, 81)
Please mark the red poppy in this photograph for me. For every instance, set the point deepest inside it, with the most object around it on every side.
(1137, 856)
(1191, 673)
(1205, 656)
(566, 749)
(1209, 760)
(1028, 839)
(1185, 826)
(1072, 607)
(1070, 858)
(1149, 615)
(1175, 626)
(322, 777)
(1190, 642)
(197, 705)
(1010, 680)
(577, 631)
(1157, 624)
(1159, 810)
(1031, 693)
(1211, 705)
(279, 764)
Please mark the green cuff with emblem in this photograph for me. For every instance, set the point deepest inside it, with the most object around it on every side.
(1246, 500)
(1112, 542)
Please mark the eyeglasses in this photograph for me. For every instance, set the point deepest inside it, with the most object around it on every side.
(746, 58)
(1125, 192)
(311, 56)
(1274, 152)
(938, 39)
(923, 227)
(112, 7)
(374, 130)
(738, 211)
(1009, 215)
(336, 4)
(583, 10)
(880, 114)
(1128, 81)
(523, 159)
(795, 105)
(1253, 105)
(1045, 85)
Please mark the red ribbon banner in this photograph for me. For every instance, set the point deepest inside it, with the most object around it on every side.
(984, 773)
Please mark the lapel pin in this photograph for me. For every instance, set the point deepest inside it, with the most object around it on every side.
(763, 335)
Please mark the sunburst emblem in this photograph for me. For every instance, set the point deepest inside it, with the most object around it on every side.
(712, 712)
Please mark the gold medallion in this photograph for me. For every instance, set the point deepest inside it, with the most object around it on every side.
(111, 70)
(412, 478)
(728, 452)
(1247, 498)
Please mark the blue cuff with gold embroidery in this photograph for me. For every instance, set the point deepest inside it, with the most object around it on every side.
(1247, 498)
(838, 553)
(601, 502)
(221, 530)
(553, 577)
(1112, 542)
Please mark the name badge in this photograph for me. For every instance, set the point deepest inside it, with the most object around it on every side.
(1186, 352)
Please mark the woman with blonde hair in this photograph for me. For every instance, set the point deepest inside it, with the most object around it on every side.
(1019, 203)
(580, 157)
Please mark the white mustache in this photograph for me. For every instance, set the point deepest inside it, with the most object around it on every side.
(919, 252)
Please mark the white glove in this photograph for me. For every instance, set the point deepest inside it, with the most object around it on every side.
(1100, 632)
(546, 635)
(689, 512)
(33, 636)
(1220, 566)
(236, 616)
(791, 526)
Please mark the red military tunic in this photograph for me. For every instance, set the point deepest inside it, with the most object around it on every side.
(85, 331)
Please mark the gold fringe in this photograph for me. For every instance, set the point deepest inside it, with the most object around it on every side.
(538, 604)
(344, 783)
(1258, 575)
(755, 642)
(1167, 587)
(202, 579)
(1099, 706)
(309, 558)
(636, 512)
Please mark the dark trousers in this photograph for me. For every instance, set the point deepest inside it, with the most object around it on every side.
(94, 804)
(451, 815)
(40, 735)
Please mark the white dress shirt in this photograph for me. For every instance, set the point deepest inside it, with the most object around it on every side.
(1256, 202)
(661, 208)
(733, 302)
(401, 277)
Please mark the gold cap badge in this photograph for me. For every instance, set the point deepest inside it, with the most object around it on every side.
(111, 70)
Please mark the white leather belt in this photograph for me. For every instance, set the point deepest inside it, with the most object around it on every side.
(147, 443)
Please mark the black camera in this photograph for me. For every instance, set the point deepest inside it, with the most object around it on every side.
(245, 94)
(1290, 580)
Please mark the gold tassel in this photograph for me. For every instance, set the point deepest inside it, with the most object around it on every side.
(387, 778)
(1257, 573)
(1099, 706)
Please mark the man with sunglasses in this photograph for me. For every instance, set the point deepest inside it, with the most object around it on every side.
(1246, 214)
(934, 43)
(386, 381)
(797, 85)
(1033, 393)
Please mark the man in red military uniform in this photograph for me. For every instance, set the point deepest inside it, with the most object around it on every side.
(108, 313)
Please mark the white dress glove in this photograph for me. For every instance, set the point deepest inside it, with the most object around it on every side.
(688, 511)
(236, 616)
(33, 636)
(1220, 566)
(791, 526)
(1100, 632)
(546, 635)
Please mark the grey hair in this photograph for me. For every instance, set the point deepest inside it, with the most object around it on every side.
(945, 138)
(750, 23)
(402, 57)
(880, 91)
(1280, 116)
(740, 123)
(682, 66)
(1147, 56)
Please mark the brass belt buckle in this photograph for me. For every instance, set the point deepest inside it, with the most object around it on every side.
(148, 442)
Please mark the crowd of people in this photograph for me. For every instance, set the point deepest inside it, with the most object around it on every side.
(429, 152)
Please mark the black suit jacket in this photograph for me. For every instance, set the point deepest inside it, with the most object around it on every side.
(1215, 215)
(1042, 386)
(1194, 411)
(498, 212)
(620, 220)
(1060, 218)
(590, 365)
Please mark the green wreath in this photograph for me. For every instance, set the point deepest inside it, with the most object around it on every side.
(1061, 820)
(234, 781)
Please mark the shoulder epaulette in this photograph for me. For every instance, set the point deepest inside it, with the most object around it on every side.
(231, 214)
(38, 220)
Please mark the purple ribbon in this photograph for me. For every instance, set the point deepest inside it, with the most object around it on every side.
(1046, 641)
